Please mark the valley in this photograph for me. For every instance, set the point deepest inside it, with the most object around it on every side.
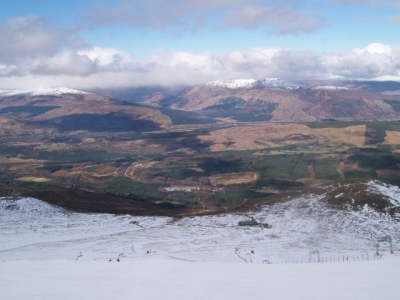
(163, 161)
(201, 150)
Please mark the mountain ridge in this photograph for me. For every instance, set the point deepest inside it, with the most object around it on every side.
(48, 109)
(43, 91)
(319, 102)
(277, 83)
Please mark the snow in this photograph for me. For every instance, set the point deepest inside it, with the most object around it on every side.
(385, 78)
(54, 91)
(391, 192)
(330, 87)
(233, 83)
(47, 252)
(273, 83)
(280, 84)
(161, 279)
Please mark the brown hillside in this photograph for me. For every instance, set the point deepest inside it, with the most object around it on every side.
(300, 105)
(65, 107)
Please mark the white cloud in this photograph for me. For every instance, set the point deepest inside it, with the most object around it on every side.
(375, 48)
(31, 36)
(106, 56)
(372, 61)
(65, 63)
(107, 67)
(6, 69)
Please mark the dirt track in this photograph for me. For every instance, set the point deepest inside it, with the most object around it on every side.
(339, 169)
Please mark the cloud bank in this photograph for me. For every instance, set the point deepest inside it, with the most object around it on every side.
(99, 67)
(38, 54)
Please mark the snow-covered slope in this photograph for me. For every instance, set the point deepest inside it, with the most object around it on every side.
(54, 91)
(32, 229)
(275, 83)
(177, 280)
(50, 253)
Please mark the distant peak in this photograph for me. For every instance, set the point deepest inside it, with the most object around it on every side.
(386, 78)
(330, 87)
(52, 91)
(274, 83)
(233, 83)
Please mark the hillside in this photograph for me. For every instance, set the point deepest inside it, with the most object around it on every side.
(108, 155)
(313, 248)
(280, 101)
(330, 219)
(64, 109)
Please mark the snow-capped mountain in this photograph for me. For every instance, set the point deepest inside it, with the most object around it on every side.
(233, 83)
(278, 83)
(330, 87)
(53, 91)
(385, 78)
(274, 83)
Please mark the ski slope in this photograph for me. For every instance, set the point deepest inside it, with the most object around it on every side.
(65, 255)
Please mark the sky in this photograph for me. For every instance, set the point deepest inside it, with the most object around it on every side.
(126, 43)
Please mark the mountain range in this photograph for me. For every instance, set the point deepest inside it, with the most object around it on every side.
(279, 100)
(46, 110)
(248, 100)
(260, 83)
(201, 148)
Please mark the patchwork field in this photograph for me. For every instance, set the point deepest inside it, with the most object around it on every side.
(233, 178)
(279, 135)
(193, 165)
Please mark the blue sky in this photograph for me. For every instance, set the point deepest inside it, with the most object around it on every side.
(116, 43)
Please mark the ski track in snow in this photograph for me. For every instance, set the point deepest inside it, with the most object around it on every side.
(34, 230)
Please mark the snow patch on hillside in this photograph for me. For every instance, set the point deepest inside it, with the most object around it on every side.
(280, 84)
(390, 191)
(15, 208)
(330, 87)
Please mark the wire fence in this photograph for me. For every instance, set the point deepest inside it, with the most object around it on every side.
(344, 258)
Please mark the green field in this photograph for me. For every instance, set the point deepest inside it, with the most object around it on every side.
(276, 169)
